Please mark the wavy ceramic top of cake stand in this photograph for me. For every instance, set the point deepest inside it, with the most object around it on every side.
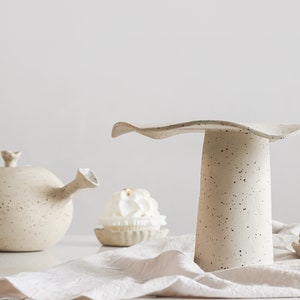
(234, 213)
(271, 131)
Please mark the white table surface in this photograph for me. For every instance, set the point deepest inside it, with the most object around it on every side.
(71, 247)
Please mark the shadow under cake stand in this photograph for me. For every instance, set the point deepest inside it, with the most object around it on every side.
(234, 225)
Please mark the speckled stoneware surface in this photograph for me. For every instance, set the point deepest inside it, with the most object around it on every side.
(234, 215)
(270, 131)
(115, 238)
(35, 206)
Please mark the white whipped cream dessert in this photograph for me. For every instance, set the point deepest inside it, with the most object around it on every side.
(132, 209)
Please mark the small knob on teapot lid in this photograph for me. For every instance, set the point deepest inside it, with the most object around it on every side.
(10, 158)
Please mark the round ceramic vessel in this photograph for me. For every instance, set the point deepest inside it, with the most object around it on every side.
(35, 206)
(30, 217)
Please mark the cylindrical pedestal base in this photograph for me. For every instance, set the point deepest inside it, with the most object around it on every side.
(234, 226)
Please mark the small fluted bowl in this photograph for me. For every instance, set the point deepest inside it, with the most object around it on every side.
(110, 237)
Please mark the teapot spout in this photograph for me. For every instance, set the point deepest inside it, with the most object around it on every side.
(85, 178)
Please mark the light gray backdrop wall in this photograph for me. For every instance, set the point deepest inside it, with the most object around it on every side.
(70, 69)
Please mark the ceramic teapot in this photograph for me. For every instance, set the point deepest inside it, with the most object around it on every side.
(35, 206)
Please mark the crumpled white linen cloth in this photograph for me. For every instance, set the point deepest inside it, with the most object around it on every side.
(165, 267)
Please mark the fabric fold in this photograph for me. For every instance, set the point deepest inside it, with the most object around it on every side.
(165, 267)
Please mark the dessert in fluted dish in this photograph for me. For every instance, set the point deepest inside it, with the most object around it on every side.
(129, 217)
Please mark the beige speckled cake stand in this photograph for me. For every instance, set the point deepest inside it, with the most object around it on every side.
(234, 226)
